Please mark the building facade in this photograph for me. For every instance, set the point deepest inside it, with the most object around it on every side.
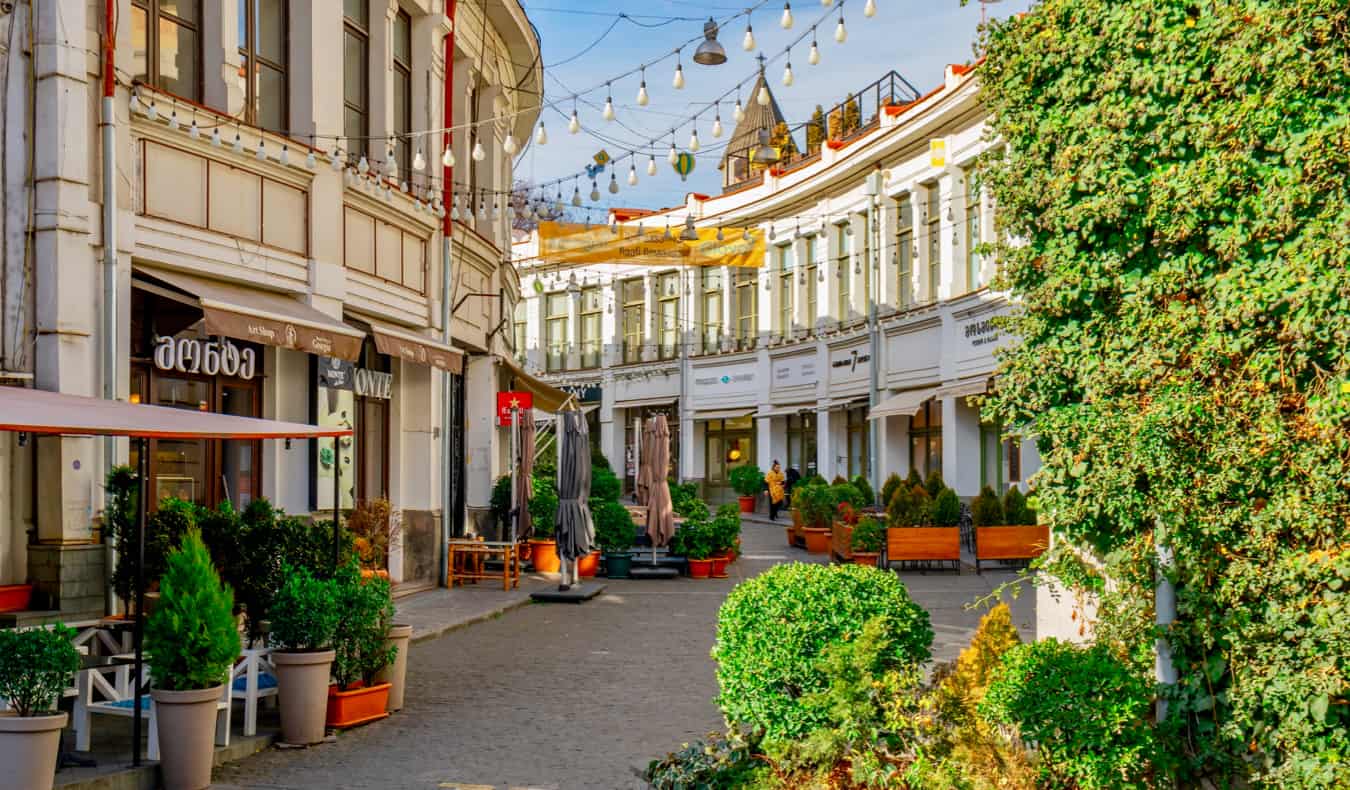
(854, 349)
(248, 216)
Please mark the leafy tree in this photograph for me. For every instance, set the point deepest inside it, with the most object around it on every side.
(191, 638)
(783, 140)
(815, 130)
(1177, 177)
(987, 510)
(852, 116)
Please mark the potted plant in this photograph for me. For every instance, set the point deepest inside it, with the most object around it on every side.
(36, 665)
(614, 533)
(723, 532)
(543, 510)
(373, 535)
(747, 481)
(360, 649)
(919, 529)
(191, 642)
(396, 674)
(818, 507)
(1014, 537)
(693, 542)
(868, 538)
(304, 619)
(841, 530)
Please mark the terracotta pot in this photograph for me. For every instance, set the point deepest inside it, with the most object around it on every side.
(719, 566)
(589, 565)
(700, 569)
(368, 573)
(186, 722)
(866, 558)
(302, 690)
(791, 536)
(28, 746)
(817, 539)
(15, 597)
(357, 706)
(747, 504)
(544, 554)
(400, 636)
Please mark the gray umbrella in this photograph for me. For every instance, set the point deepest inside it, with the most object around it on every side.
(660, 517)
(575, 533)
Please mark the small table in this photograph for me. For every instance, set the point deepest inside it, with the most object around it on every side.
(473, 552)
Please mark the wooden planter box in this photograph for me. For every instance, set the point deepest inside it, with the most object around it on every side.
(817, 540)
(841, 542)
(1010, 543)
(923, 544)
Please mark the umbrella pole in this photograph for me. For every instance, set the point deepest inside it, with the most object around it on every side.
(138, 626)
(515, 473)
(337, 497)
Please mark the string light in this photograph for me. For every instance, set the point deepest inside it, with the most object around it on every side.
(608, 112)
(763, 98)
(738, 114)
(173, 118)
(541, 136)
(613, 184)
(748, 43)
(814, 57)
(870, 9)
(674, 155)
(678, 81)
(576, 195)
(840, 34)
(787, 75)
(419, 161)
(194, 131)
(478, 153)
(632, 174)
(693, 140)
(574, 123)
(786, 21)
(448, 157)
(151, 111)
(651, 165)
(311, 161)
(284, 157)
(717, 121)
(135, 101)
(238, 143)
(642, 97)
(509, 144)
(827, 3)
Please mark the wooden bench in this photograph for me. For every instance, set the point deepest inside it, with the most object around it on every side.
(1010, 543)
(924, 544)
(465, 561)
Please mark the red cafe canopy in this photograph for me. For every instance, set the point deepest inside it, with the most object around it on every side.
(40, 411)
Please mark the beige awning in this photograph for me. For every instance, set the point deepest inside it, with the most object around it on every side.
(961, 389)
(546, 396)
(266, 317)
(846, 403)
(638, 403)
(412, 347)
(785, 411)
(902, 403)
(723, 414)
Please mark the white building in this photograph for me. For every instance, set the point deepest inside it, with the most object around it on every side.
(328, 292)
(853, 350)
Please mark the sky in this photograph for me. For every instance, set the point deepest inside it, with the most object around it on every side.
(916, 38)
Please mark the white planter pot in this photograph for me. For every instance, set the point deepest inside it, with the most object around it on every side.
(28, 747)
(302, 690)
(186, 723)
(400, 636)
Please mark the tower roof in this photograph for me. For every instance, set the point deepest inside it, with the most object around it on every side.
(757, 117)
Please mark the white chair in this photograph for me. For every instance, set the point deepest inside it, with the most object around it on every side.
(253, 678)
(108, 690)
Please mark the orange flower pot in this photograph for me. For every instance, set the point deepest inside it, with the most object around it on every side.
(866, 558)
(589, 565)
(544, 554)
(817, 540)
(719, 566)
(700, 569)
(747, 504)
(357, 706)
(15, 597)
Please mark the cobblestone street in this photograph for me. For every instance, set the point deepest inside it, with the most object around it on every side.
(570, 697)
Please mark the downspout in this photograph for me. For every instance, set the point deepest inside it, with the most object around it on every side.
(449, 475)
(874, 330)
(108, 128)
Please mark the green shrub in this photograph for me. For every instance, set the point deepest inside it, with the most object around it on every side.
(694, 539)
(747, 480)
(869, 535)
(888, 488)
(841, 493)
(986, 510)
(725, 528)
(914, 480)
(910, 507)
(605, 485)
(302, 543)
(685, 501)
(773, 629)
(544, 506)
(838, 480)
(1015, 509)
(598, 459)
(868, 496)
(933, 484)
(614, 527)
(1085, 712)
(304, 613)
(364, 614)
(809, 479)
(36, 666)
(119, 523)
(717, 762)
(947, 508)
(191, 638)
(816, 503)
(500, 502)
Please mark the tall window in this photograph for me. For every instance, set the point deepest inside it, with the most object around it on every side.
(859, 460)
(166, 45)
(403, 93)
(264, 27)
(520, 324)
(668, 315)
(634, 308)
(590, 327)
(356, 75)
(801, 442)
(785, 291)
(934, 231)
(904, 253)
(866, 262)
(712, 309)
(842, 270)
(812, 284)
(747, 307)
(973, 262)
(555, 331)
(925, 439)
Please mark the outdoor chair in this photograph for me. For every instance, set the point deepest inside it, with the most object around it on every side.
(99, 694)
(253, 678)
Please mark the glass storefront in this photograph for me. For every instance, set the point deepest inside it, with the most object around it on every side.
(925, 439)
(801, 443)
(354, 396)
(727, 444)
(859, 457)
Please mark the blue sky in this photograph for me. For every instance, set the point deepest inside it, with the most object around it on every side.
(917, 38)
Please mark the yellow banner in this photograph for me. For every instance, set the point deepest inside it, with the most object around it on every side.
(572, 244)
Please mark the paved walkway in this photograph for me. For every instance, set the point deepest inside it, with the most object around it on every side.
(568, 697)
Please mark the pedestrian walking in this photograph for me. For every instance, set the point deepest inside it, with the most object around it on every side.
(775, 480)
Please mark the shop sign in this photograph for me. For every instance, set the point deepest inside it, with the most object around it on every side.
(715, 383)
(849, 363)
(980, 333)
(212, 358)
(584, 393)
(794, 371)
(509, 400)
(340, 374)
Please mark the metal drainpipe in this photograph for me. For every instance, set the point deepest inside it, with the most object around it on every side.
(108, 128)
(449, 476)
(874, 333)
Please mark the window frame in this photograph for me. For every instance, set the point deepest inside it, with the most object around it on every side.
(904, 250)
(357, 145)
(555, 358)
(747, 322)
(929, 433)
(153, 13)
(933, 222)
(812, 285)
(844, 296)
(713, 294)
(592, 301)
(402, 126)
(786, 291)
(634, 314)
(253, 61)
(974, 262)
(665, 296)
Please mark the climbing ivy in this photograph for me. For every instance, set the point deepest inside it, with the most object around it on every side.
(1173, 192)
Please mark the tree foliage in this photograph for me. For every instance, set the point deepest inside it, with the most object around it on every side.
(1177, 178)
(191, 638)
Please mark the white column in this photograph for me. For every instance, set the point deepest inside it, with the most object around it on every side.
(764, 442)
(534, 330)
(952, 278)
(728, 309)
(648, 317)
(610, 323)
(572, 359)
(824, 445)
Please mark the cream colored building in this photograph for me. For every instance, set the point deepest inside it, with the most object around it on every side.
(322, 292)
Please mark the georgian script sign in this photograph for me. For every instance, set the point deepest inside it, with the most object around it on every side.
(212, 358)
(980, 333)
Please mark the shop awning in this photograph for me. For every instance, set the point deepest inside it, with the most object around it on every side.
(846, 403)
(961, 389)
(39, 411)
(785, 411)
(543, 416)
(902, 403)
(723, 414)
(638, 403)
(546, 396)
(412, 347)
(264, 317)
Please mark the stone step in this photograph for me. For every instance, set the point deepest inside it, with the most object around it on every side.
(29, 618)
(653, 572)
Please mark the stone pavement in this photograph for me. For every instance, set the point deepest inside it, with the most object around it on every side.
(568, 697)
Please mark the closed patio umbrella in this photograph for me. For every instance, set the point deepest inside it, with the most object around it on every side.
(523, 491)
(644, 477)
(660, 516)
(575, 532)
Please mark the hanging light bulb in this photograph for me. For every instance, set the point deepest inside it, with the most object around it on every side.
(693, 141)
(363, 166)
(541, 136)
(870, 9)
(135, 101)
(787, 74)
(261, 153)
(151, 111)
(717, 123)
(576, 196)
(642, 97)
(745, 234)
(284, 157)
(786, 21)
(478, 153)
(613, 183)
(595, 191)
(335, 159)
(419, 161)
(667, 235)
(482, 209)
(194, 131)
(454, 209)
(748, 43)
(448, 157)
(651, 165)
(773, 233)
(173, 118)
(608, 112)
(632, 174)
(311, 161)
(814, 57)
(573, 123)
(673, 156)
(238, 143)
(827, 3)
(840, 34)
(739, 113)
(763, 98)
(678, 81)
(509, 144)
(403, 187)
(614, 226)
(720, 235)
(496, 211)
(215, 137)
